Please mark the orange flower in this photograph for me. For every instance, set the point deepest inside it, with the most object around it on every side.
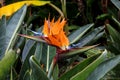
(54, 34)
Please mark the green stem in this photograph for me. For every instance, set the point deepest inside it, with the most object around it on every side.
(47, 66)
(53, 64)
(63, 2)
(57, 9)
(50, 70)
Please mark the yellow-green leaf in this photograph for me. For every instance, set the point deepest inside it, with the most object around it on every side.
(6, 63)
(10, 9)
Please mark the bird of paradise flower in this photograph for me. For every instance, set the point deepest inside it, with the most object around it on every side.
(53, 34)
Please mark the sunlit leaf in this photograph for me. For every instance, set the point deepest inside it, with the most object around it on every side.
(103, 68)
(78, 68)
(87, 70)
(8, 30)
(6, 63)
(82, 75)
(11, 8)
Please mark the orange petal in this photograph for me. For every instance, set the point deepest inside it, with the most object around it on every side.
(45, 28)
(62, 24)
(55, 29)
(63, 39)
(54, 41)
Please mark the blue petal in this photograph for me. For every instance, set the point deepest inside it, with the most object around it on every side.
(36, 33)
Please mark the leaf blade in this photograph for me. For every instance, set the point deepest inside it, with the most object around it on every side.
(37, 72)
(103, 68)
(79, 33)
(86, 71)
(10, 9)
(6, 63)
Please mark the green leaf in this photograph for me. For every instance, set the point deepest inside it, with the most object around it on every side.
(28, 50)
(96, 38)
(47, 55)
(28, 46)
(113, 48)
(116, 22)
(38, 51)
(114, 34)
(103, 68)
(6, 63)
(90, 36)
(37, 72)
(27, 75)
(56, 72)
(116, 3)
(13, 74)
(74, 52)
(11, 29)
(78, 68)
(36, 38)
(75, 36)
(82, 75)
(103, 17)
(92, 52)
(2, 36)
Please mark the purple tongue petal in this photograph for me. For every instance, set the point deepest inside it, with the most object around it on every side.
(36, 38)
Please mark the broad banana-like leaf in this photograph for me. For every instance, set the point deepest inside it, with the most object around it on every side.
(8, 30)
(48, 53)
(89, 37)
(37, 71)
(6, 63)
(11, 8)
(78, 68)
(82, 75)
(28, 50)
(15, 21)
(38, 51)
(103, 68)
(28, 46)
(75, 36)
(2, 36)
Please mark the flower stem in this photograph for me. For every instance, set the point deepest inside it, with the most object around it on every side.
(63, 2)
(57, 9)
(53, 64)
